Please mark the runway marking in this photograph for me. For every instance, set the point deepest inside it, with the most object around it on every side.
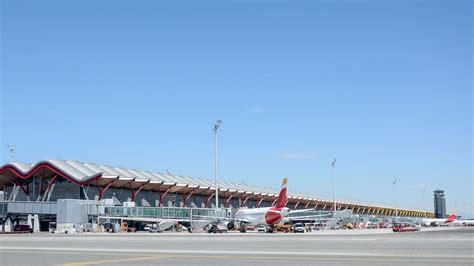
(113, 261)
(330, 258)
(196, 252)
(72, 252)
(390, 258)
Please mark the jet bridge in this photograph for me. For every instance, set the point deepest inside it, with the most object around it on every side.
(174, 213)
(81, 212)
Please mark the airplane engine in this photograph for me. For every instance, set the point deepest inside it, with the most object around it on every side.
(284, 212)
(230, 225)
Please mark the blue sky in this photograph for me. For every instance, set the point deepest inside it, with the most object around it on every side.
(383, 86)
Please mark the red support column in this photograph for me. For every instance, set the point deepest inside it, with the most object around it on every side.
(260, 202)
(245, 201)
(162, 196)
(186, 197)
(50, 182)
(134, 193)
(207, 200)
(306, 206)
(298, 203)
(324, 207)
(41, 183)
(226, 201)
(273, 203)
(41, 186)
(102, 190)
(25, 188)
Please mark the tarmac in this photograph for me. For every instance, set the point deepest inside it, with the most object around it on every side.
(454, 246)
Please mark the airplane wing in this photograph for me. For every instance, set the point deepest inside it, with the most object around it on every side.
(302, 210)
(311, 212)
(243, 220)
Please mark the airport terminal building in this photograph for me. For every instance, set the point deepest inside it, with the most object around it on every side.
(52, 180)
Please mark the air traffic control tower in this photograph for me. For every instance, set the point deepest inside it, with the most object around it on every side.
(439, 204)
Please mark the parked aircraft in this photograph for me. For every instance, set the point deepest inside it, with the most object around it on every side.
(463, 222)
(438, 222)
(267, 216)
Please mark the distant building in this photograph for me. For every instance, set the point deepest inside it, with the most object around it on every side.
(439, 204)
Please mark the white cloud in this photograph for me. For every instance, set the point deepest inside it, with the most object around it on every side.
(296, 156)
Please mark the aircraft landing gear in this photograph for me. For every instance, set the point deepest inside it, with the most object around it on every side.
(270, 230)
(242, 228)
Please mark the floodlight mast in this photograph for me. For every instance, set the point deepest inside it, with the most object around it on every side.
(333, 164)
(216, 127)
(395, 198)
(423, 200)
(12, 152)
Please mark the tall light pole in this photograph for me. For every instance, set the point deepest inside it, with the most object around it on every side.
(216, 127)
(423, 200)
(395, 197)
(334, 185)
(12, 152)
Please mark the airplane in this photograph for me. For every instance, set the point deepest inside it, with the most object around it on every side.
(463, 222)
(436, 222)
(267, 216)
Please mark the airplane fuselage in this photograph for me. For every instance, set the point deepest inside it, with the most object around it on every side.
(437, 222)
(261, 216)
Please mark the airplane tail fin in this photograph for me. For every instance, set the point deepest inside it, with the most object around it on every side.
(451, 218)
(281, 202)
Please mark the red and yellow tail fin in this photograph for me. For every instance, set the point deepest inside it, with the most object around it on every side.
(281, 202)
(451, 218)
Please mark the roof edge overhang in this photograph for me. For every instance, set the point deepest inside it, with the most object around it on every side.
(47, 165)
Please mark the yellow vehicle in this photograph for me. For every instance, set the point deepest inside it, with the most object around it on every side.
(283, 228)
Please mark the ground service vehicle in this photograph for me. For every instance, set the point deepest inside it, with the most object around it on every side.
(400, 227)
(22, 228)
(155, 230)
(319, 226)
(109, 228)
(285, 228)
(52, 227)
(262, 229)
(217, 228)
(299, 228)
(148, 227)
